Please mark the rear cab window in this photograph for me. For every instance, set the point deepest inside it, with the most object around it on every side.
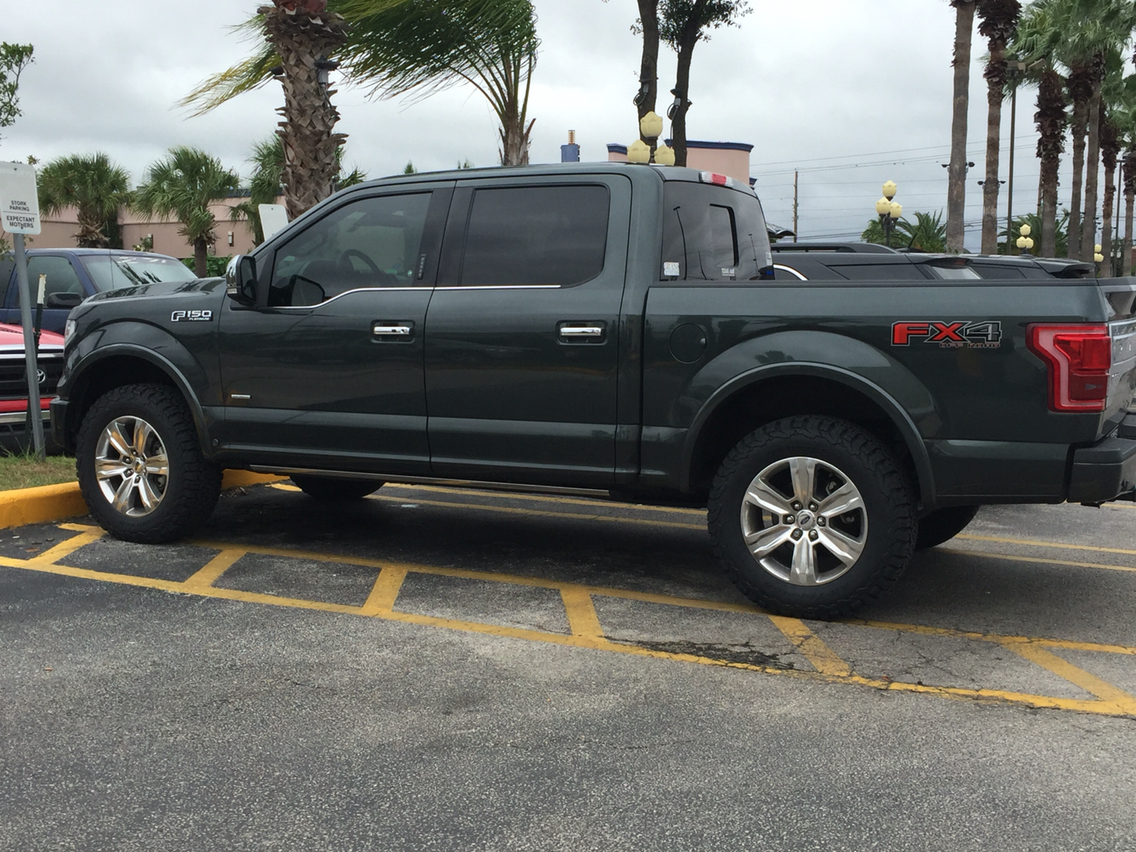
(713, 233)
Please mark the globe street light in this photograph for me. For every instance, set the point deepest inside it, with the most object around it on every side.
(1025, 241)
(889, 211)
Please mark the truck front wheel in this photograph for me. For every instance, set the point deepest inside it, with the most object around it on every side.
(812, 517)
(140, 466)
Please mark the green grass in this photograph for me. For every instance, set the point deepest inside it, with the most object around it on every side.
(23, 471)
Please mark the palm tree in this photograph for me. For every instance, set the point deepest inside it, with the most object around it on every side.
(401, 46)
(93, 185)
(956, 174)
(999, 20)
(1089, 30)
(928, 233)
(1033, 45)
(682, 24)
(304, 35)
(265, 184)
(184, 185)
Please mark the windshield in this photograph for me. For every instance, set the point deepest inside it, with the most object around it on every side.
(117, 271)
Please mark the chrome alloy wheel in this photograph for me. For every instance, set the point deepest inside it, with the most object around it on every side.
(131, 466)
(804, 521)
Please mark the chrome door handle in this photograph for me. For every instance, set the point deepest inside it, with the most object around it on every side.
(582, 331)
(379, 330)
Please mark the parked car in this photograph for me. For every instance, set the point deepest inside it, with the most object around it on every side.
(73, 274)
(14, 383)
(1003, 266)
(864, 262)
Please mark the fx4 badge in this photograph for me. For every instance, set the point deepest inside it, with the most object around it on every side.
(191, 316)
(986, 334)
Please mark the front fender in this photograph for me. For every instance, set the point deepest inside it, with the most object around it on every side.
(123, 353)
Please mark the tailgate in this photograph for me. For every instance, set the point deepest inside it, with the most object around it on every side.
(1120, 294)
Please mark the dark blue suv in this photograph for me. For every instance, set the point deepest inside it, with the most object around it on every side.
(72, 274)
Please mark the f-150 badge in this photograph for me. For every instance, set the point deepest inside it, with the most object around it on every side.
(986, 334)
(191, 316)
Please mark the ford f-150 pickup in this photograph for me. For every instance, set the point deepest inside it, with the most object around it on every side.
(613, 327)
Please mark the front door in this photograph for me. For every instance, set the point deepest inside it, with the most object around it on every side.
(328, 372)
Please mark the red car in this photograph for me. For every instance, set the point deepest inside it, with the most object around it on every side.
(14, 382)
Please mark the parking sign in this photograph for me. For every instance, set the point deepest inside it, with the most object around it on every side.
(19, 201)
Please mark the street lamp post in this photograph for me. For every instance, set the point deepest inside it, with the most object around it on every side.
(889, 211)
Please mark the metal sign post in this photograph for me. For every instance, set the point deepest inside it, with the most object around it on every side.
(19, 215)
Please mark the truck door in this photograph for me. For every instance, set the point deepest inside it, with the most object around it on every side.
(327, 368)
(522, 333)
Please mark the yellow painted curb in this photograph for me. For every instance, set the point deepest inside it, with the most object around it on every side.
(56, 502)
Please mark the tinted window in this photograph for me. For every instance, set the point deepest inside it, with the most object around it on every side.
(536, 235)
(7, 267)
(370, 242)
(115, 271)
(59, 276)
(878, 271)
(711, 233)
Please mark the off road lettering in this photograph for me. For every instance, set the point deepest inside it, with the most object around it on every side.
(986, 334)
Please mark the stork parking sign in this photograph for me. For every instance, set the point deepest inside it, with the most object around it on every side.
(19, 201)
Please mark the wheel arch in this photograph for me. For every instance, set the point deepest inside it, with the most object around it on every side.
(771, 393)
(122, 364)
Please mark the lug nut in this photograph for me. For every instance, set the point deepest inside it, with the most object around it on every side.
(812, 535)
(796, 535)
(820, 522)
(813, 507)
(796, 506)
(789, 519)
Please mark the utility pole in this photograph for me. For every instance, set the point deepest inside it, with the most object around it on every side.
(794, 205)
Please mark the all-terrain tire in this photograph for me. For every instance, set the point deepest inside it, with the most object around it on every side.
(140, 466)
(335, 488)
(812, 517)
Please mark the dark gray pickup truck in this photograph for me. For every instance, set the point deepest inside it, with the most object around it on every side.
(608, 327)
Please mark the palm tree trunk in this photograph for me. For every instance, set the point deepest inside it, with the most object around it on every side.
(1110, 147)
(649, 61)
(1092, 170)
(1129, 203)
(1080, 93)
(995, 86)
(956, 179)
(1050, 118)
(200, 252)
(304, 40)
(687, 40)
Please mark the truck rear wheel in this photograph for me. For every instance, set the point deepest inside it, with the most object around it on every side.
(812, 517)
(335, 488)
(140, 466)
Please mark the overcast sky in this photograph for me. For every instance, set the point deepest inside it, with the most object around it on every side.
(850, 93)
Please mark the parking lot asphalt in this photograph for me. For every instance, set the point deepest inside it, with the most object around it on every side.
(454, 668)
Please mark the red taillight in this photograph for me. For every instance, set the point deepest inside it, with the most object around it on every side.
(1079, 358)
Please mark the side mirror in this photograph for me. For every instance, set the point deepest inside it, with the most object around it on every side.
(240, 279)
(63, 300)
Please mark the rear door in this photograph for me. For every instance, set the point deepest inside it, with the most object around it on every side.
(522, 334)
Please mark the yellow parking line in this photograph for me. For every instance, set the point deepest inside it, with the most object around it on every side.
(823, 658)
(1103, 690)
(997, 638)
(213, 570)
(1027, 542)
(1039, 559)
(385, 591)
(66, 548)
(582, 618)
(1121, 706)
